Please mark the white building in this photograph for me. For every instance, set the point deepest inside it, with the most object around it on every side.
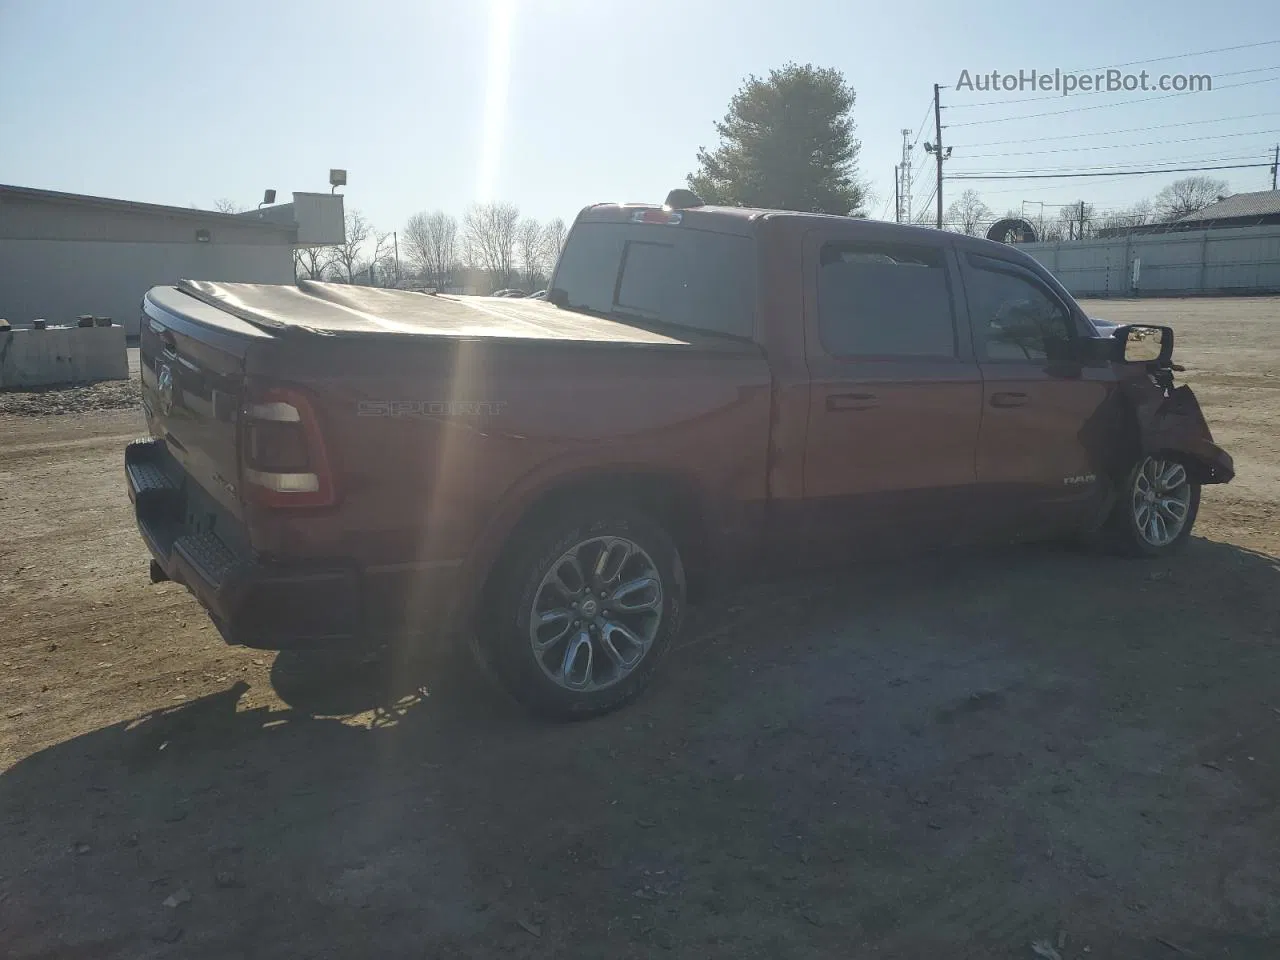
(63, 255)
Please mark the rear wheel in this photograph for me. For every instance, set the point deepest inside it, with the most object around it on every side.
(1156, 508)
(583, 611)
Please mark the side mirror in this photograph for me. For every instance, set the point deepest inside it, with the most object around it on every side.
(1144, 344)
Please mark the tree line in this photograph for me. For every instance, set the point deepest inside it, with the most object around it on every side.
(1080, 221)
(786, 142)
(492, 247)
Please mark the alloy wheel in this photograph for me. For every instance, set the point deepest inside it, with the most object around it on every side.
(596, 613)
(1161, 500)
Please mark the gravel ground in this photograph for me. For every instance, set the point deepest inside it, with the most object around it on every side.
(1028, 753)
(73, 398)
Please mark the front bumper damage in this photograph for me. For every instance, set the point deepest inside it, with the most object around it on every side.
(1176, 424)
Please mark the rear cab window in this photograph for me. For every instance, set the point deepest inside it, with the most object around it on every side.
(885, 300)
(665, 273)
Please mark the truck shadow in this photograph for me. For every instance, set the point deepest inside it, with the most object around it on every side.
(398, 807)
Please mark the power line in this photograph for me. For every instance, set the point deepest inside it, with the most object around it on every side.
(1105, 173)
(1179, 56)
(1087, 93)
(924, 207)
(885, 209)
(1102, 167)
(1120, 146)
(1107, 133)
(919, 168)
(920, 131)
(1105, 106)
(1102, 177)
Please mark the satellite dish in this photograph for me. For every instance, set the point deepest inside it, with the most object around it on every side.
(1012, 230)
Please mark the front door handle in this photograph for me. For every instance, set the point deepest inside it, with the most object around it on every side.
(852, 401)
(1009, 399)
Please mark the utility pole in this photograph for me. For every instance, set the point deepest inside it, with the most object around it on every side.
(936, 148)
(897, 196)
(1275, 166)
(1081, 219)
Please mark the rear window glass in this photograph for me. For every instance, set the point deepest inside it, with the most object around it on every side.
(885, 300)
(668, 273)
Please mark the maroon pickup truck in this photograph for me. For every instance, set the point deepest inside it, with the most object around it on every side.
(703, 392)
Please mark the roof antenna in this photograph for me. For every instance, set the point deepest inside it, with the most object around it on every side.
(682, 199)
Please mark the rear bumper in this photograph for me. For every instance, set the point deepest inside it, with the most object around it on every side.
(254, 601)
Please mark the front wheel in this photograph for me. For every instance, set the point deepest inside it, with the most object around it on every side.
(1156, 508)
(584, 610)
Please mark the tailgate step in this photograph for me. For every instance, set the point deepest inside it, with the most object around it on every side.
(147, 477)
(208, 554)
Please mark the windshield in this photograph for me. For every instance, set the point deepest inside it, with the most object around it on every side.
(663, 273)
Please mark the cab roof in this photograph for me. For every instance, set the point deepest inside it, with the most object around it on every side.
(743, 219)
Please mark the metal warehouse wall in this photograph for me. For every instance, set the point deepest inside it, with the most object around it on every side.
(61, 259)
(61, 279)
(1238, 260)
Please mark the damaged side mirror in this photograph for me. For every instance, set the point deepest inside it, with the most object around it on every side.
(1144, 344)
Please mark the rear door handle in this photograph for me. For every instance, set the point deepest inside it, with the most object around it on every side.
(1009, 399)
(852, 401)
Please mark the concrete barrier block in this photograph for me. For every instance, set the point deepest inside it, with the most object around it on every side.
(37, 358)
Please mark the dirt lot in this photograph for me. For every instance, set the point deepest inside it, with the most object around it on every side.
(956, 757)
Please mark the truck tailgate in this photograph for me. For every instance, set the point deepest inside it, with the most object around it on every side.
(193, 368)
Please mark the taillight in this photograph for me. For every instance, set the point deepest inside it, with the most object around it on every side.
(283, 461)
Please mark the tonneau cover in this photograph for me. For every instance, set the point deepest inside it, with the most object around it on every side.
(338, 309)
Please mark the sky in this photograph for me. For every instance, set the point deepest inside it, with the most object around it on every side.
(554, 104)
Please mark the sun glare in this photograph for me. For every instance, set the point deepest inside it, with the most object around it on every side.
(497, 79)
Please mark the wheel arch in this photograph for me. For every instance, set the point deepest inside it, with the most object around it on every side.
(1171, 426)
(671, 498)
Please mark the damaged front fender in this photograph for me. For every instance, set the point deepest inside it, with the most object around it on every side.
(1173, 422)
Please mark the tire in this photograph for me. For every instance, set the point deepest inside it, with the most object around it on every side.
(629, 633)
(1149, 487)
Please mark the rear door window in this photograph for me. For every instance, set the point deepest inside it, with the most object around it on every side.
(885, 300)
(667, 273)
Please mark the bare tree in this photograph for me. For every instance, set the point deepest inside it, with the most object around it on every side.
(967, 213)
(491, 239)
(530, 249)
(1037, 220)
(553, 237)
(312, 263)
(1138, 215)
(1046, 229)
(1188, 195)
(1078, 220)
(227, 205)
(349, 256)
(431, 241)
(384, 261)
